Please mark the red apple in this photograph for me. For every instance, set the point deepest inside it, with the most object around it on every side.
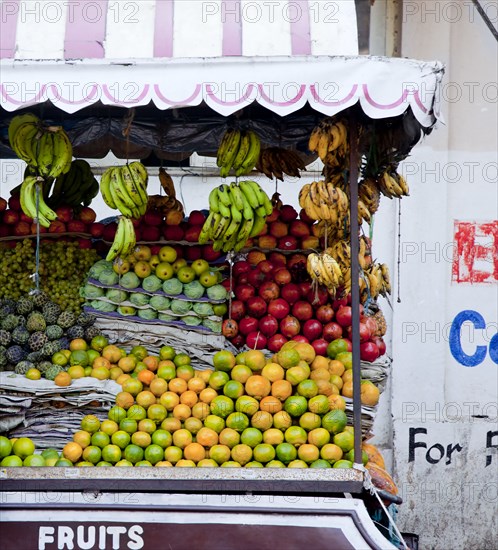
(291, 293)
(288, 243)
(247, 325)
(256, 306)
(10, 217)
(299, 229)
(290, 326)
(269, 291)
(192, 233)
(379, 342)
(229, 328)
(256, 340)
(196, 218)
(24, 218)
(369, 352)
(76, 226)
(97, 230)
(318, 296)
(34, 229)
(109, 232)
(241, 267)
(301, 339)
(22, 229)
(136, 222)
(64, 213)
(320, 346)
(255, 277)
(312, 329)
(238, 309)
(5, 230)
(305, 218)
(267, 242)
(344, 316)
(302, 311)
(277, 258)
(57, 227)
(153, 217)
(85, 243)
(172, 232)
(209, 254)
(276, 342)
(332, 331)
(282, 276)
(138, 234)
(308, 243)
(150, 233)
(87, 215)
(279, 308)
(3, 204)
(278, 229)
(296, 259)
(15, 202)
(244, 292)
(325, 314)
(238, 341)
(273, 217)
(268, 325)
(288, 213)
(265, 267)
(193, 253)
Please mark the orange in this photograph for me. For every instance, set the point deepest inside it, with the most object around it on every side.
(100, 439)
(320, 362)
(62, 379)
(207, 395)
(177, 385)
(90, 423)
(241, 453)
(204, 374)
(169, 400)
(306, 352)
(309, 421)
(147, 425)
(166, 370)
(72, 451)
(347, 389)
(270, 404)
(142, 439)
(196, 384)
(75, 372)
(112, 353)
(247, 405)
(132, 385)
(192, 424)
(121, 378)
(120, 439)
(273, 436)
(318, 437)
(347, 376)
(224, 360)
(263, 453)
(83, 438)
(336, 367)
(258, 386)
(163, 464)
(295, 375)
(127, 364)
(296, 405)
(194, 452)
(128, 425)
(137, 412)
(273, 371)
(233, 389)
(146, 399)
(101, 373)
(337, 402)
(116, 413)
(214, 422)
(335, 421)
(158, 386)
(344, 440)
(218, 379)
(115, 373)
(183, 463)
(297, 464)
(370, 393)
(251, 437)
(162, 438)
(308, 453)
(241, 373)
(151, 362)
(307, 388)
(220, 453)
(320, 374)
(324, 387)
(133, 453)
(207, 437)
(154, 454)
(173, 454)
(331, 452)
(92, 454)
(229, 437)
(185, 372)
(182, 438)
(262, 420)
(109, 427)
(146, 377)
(319, 404)
(182, 412)
(286, 452)
(201, 410)
(295, 435)
(281, 389)
(254, 464)
(171, 424)
(255, 360)
(237, 421)
(222, 406)
(282, 420)
(189, 398)
(337, 381)
(111, 454)
(101, 362)
(78, 344)
(157, 413)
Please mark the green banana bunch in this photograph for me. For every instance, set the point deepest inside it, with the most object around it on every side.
(237, 212)
(125, 188)
(78, 186)
(30, 197)
(46, 149)
(124, 240)
(238, 151)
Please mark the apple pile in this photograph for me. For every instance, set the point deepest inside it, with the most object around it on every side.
(275, 302)
(286, 229)
(15, 223)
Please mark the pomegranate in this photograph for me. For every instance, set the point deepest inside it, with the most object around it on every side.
(15, 202)
(290, 326)
(288, 213)
(336, 304)
(196, 218)
(296, 259)
(291, 293)
(369, 351)
(64, 213)
(269, 291)
(244, 292)
(3, 204)
(276, 342)
(230, 328)
(85, 243)
(318, 296)
(241, 267)
(22, 229)
(288, 243)
(282, 276)
(255, 277)
(265, 267)
(150, 233)
(256, 306)
(238, 310)
(277, 258)
(332, 331)
(209, 254)
(268, 325)
(344, 316)
(302, 311)
(312, 329)
(256, 340)
(87, 215)
(371, 323)
(278, 229)
(305, 288)
(320, 346)
(192, 233)
(379, 342)
(238, 341)
(365, 333)
(153, 217)
(273, 217)
(325, 313)
(305, 218)
(278, 308)
(173, 232)
(301, 339)
(75, 226)
(193, 253)
(24, 218)
(247, 325)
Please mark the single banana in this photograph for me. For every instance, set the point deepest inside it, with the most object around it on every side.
(214, 200)
(26, 196)
(130, 187)
(263, 198)
(258, 225)
(243, 235)
(247, 209)
(105, 188)
(323, 146)
(19, 121)
(23, 142)
(205, 233)
(221, 228)
(118, 187)
(404, 185)
(62, 154)
(305, 189)
(116, 196)
(314, 139)
(118, 242)
(224, 195)
(249, 193)
(230, 153)
(252, 156)
(142, 177)
(130, 239)
(231, 230)
(244, 146)
(45, 154)
(225, 211)
(335, 141)
(236, 196)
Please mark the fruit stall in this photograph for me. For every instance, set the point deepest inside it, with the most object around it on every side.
(200, 369)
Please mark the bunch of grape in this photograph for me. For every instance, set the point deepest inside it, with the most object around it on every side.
(63, 266)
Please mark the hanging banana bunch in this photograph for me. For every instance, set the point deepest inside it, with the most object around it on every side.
(238, 151)
(325, 270)
(78, 186)
(32, 202)
(275, 162)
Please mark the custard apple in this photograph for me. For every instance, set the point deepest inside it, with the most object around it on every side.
(36, 322)
(39, 298)
(5, 337)
(10, 322)
(75, 332)
(16, 354)
(91, 332)
(54, 332)
(43, 366)
(66, 319)
(51, 312)
(50, 348)
(20, 335)
(52, 372)
(85, 319)
(23, 367)
(37, 340)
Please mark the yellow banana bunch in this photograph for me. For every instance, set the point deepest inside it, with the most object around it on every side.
(324, 269)
(125, 188)
(393, 185)
(77, 186)
(378, 280)
(46, 149)
(369, 194)
(324, 201)
(238, 151)
(124, 240)
(328, 137)
(33, 203)
(275, 162)
(237, 212)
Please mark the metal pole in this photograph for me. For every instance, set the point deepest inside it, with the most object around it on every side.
(355, 286)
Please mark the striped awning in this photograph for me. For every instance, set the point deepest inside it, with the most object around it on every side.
(146, 29)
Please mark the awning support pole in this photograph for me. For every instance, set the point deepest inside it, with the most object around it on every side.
(355, 286)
